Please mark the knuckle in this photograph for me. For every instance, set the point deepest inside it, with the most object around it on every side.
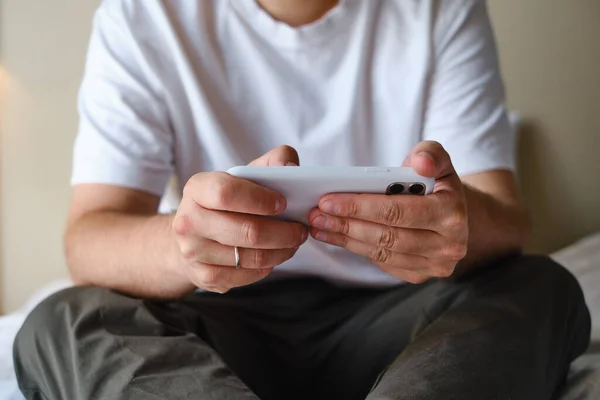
(344, 226)
(387, 238)
(444, 270)
(456, 220)
(392, 214)
(260, 258)
(224, 192)
(351, 209)
(455, 251)
(210, 277)
(250, 233)
(188, 252)
(182, 225)
(380, 255)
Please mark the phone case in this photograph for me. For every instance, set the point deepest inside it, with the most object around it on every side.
(304, 186)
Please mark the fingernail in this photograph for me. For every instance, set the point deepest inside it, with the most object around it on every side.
(291, 164)
(304, 235)
(280, 205)
(321, 236)
(320, 222)
(330, 207)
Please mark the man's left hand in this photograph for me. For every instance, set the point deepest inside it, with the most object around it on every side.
(413, 238)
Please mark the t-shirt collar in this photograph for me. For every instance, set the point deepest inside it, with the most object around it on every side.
(282, 34)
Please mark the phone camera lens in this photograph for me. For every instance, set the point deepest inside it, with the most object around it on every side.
(396, 188)
(416, 188)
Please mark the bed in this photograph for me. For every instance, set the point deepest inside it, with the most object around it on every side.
(582, 258)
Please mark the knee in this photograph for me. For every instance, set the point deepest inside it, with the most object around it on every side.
(544, 280)
(535, 274)
(544, 271)
(563, 295)
(536, 279)
(55, 317)
(66, 306)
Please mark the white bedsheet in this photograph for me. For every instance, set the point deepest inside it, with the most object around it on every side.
(9, 326)
(583, 260)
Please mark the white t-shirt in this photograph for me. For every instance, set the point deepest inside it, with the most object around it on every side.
(196, 85)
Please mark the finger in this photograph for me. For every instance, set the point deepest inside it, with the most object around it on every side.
(221, 191)
(405, 275)
(214, 253)
(220, 279)
(194, 224)
(375, 254)
(391, 262)
(250, 231)
(279, 157)
(415, 212)
(401, 240)
(407, 267)
(431, 160)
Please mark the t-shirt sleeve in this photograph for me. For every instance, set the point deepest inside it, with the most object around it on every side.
(124, 135)
(466, 110)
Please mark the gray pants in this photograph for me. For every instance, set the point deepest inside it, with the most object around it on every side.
(509, 331)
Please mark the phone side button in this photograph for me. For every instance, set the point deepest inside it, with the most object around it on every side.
(376, 169)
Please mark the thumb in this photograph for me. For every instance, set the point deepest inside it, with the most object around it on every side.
(278, 157)
(431, 160)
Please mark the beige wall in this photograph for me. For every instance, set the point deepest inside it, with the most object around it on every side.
(550, 56)
(42, 52)
(550, 51)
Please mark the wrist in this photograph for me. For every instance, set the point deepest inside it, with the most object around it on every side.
(175, 263)
(498, 225)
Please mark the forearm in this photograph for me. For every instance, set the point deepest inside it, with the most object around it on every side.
(136, 254)
(496, 227)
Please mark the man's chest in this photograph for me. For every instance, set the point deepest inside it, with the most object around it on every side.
(358, 98)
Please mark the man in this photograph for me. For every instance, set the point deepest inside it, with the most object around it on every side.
(354, 306)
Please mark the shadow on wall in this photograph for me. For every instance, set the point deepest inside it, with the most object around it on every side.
(546, 189)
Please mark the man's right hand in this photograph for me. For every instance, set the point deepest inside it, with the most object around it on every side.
(219, 212)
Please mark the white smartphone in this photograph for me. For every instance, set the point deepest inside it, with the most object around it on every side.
(304, 186)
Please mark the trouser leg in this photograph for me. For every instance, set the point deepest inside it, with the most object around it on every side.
(508, 332)
(93, 343)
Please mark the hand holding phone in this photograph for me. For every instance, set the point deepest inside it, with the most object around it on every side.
(413, 238)
(304, 186)
(221, 216)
